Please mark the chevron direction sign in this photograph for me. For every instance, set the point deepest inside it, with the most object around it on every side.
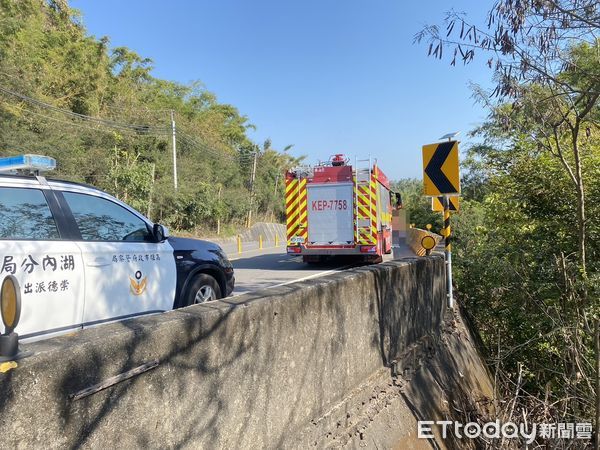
(440, 169)
(437, 203)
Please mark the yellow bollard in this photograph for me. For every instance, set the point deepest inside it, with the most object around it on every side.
(276, 240)
(239, 239)
(260, 246)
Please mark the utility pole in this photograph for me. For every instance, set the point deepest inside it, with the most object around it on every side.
(151, 190)
(219, 214)
(174, 140)
(252, 178)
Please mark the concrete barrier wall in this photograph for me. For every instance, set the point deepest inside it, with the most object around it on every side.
(249, 372)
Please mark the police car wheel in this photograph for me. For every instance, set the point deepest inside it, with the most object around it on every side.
(204, 288)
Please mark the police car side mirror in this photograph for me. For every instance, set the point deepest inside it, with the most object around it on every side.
(159, 232)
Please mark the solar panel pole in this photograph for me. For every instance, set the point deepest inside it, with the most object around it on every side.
(448, 251)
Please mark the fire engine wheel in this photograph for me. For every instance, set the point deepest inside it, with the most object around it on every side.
(204, 288)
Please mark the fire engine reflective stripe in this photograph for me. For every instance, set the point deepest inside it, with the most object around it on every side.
(374, 205)
(291, 234)
(291, 186)
(292, 201)
(303, 220)
(289, 204)
(302, 203)
(366, 214)
(355, 207)
(292, 216)
(302, 206)
(295, 205)
(363, 211)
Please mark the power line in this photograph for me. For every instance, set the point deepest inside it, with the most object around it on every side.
(107, 122)
(86, 127)
(194, 142)
(130, 128)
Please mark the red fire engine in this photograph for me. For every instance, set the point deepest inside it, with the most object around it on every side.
(336, 209)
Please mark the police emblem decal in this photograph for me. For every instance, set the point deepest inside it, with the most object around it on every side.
(138, 285)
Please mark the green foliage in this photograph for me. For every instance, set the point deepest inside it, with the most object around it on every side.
(131, 179)
(527, 252)
(417, 206)
(46, 55)
(517, 271)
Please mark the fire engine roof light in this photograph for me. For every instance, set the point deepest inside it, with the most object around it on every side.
(31, 163)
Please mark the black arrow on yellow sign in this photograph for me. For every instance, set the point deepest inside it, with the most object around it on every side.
(440, 167)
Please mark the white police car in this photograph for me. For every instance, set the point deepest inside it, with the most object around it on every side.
(81, 257)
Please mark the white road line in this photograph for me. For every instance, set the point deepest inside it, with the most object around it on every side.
(339, 269)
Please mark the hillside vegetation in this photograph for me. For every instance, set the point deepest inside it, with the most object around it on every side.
(99, 111)
(527, 239)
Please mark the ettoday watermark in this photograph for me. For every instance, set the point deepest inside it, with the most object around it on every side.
(508, 430)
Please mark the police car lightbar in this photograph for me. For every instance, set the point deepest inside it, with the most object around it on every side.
(27, 163)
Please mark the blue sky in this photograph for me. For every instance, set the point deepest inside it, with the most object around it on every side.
(328, 76)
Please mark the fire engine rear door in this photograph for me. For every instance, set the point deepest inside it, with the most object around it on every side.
(330, 214)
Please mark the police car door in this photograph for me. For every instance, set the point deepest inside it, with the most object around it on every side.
(126, 274)
(34, 249)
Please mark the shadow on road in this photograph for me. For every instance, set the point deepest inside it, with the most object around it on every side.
(282, 261)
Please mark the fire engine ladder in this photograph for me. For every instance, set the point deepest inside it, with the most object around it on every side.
(363, 184)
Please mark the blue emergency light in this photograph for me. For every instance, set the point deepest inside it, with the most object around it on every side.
(32, 163)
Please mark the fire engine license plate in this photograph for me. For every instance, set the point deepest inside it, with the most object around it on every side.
(297, 240)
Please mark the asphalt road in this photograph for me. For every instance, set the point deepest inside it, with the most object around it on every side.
(272, 267)
(267, 268)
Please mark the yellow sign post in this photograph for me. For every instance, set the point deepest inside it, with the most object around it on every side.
(441, 177)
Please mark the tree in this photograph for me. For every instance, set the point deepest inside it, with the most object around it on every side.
(417, 206)
(541, 145)
(106, 119)
(551, 44)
